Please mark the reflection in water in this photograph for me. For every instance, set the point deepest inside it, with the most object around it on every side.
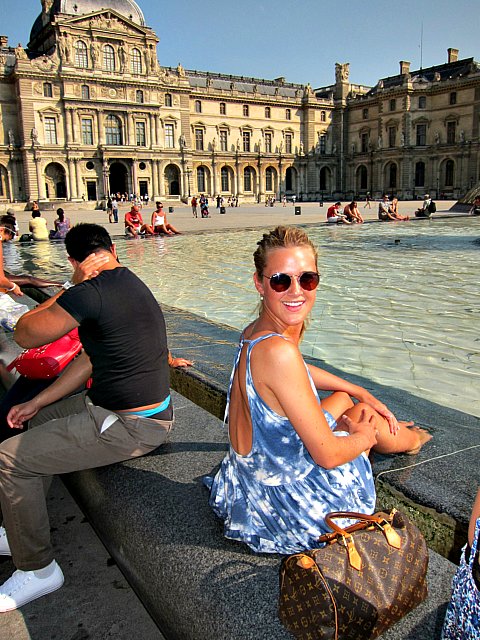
(401, 313)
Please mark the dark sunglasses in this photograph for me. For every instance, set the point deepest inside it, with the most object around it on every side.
(281, 282)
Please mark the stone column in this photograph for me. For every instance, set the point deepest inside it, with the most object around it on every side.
(67, 121)
(101, 130)
(10, 170)
(130, 132)
(260, 181)
(152, 130)
(79, 178)
(74, 129)
(72, 186)
(134, 176)
(237, 175)
(161, 181)
(155, 178)
(214, 177)
(158, 131)
(42, 194)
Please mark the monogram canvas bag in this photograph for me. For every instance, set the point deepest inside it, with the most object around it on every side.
(366, 577)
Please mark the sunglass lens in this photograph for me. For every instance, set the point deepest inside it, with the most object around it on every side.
(309, 280)
(280, 282)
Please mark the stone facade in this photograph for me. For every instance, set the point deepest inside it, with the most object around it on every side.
(87, 110)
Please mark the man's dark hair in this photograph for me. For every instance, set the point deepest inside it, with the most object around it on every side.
(86, 238)
(8, 222)
(338, 204)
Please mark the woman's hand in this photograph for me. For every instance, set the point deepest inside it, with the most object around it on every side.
(365, 426)
(368, 398)
(177, 363)
(88, 269)
(20, 413)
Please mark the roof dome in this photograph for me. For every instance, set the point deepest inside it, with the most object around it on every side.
(127, 8)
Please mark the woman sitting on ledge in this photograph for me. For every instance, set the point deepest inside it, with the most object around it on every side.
(293, 459)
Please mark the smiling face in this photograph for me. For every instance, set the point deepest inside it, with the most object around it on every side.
(287, 309)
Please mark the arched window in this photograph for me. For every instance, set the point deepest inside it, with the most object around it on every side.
(136, 61)
(449, 173)
(201, 179)
(224, 179)
(245, 110)
(81, 57)
(323, 116)
(113, 130)
(108, 58)
(47, 90)
(269, 179)
(168, 99)
(85, 92)
(247, 179)
(420, 174)
(267, 112)
(139, 99)
(223, 109)
(198, 106)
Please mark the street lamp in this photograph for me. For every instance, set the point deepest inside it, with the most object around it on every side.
(188, 173)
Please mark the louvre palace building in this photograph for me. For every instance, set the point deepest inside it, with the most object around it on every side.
(86, 109)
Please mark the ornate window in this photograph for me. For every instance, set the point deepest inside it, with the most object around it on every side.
(322, 144)
(223, 140)
(139, 98)
(169, 136)
(85, 92)
(113, 130)
(87, 131)
(50, 131)
(246, 140)
(364, 142)
(422, 102)
(223, 109)
(449, 173)
(268, 142)
(420, 174)
(288, 114)
(268, 113)
(47, 90)
(392, 176)
(199, 139)
(108, 58)
(269, 179)
(392, 134)
(168, 100)
(247, 179)
(201, 179)
(136, 61)
(451, 132)
(81, 56)
(246, 110)
(224, 179)
(140, 134)
(198, 106)
(288, 143)
(421, 135)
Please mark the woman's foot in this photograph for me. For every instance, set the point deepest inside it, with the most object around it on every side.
(423, 438)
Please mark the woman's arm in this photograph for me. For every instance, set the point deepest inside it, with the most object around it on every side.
(282, 381)
(6, 285)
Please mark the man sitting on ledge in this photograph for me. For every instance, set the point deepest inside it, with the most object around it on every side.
(126, 413)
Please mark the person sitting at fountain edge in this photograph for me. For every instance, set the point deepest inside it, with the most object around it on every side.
(126, 413)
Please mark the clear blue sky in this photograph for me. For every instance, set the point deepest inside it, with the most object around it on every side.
(300, 40)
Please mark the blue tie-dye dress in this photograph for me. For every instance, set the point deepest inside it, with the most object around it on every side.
(275, 498)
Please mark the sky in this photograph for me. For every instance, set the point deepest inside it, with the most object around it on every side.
(300, 40)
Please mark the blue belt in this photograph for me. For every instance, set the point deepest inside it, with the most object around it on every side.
(146, 413)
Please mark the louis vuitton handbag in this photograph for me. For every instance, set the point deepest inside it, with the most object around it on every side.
(365, 578)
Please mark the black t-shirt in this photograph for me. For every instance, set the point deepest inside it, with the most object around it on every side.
(122, 330)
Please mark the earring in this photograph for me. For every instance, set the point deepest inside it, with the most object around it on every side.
(261, 298)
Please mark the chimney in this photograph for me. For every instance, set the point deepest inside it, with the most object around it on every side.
(404, 67)
(3, 41)
(452, 55)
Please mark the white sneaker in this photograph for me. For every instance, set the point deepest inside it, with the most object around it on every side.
(4, 546)
(25, 586)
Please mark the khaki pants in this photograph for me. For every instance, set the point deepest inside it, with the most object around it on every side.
(70, 435)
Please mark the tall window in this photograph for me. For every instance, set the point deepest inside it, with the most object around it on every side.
(392, 176)
(47, 90)
(201, 179)
(420, 174)
(323, 116)
(453, 97)
(288, 114)
(267, 112)
(224, 179)
(269, 179)
(168, 99)
(198, 106)
(87, 131)
(139, 99)
(50, 131)
(223, 109)
(392, 134)
(81, 57)
(451, 131)
(108, 58)
(268, 142)
(422, 102)
(323, 144)
(288, 143)
(140, 134)
(113, 131)
(169, 138)
(364, 142)
(223, 140)
(246, 140)
(393, 104)
(199, 139)
(136, 61)
(245, 110)
(247, 179)
(85, 92)
(365, 114)
(421, 135)
(449, 173)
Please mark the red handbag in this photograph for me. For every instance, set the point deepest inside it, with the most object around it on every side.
(49, 360)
